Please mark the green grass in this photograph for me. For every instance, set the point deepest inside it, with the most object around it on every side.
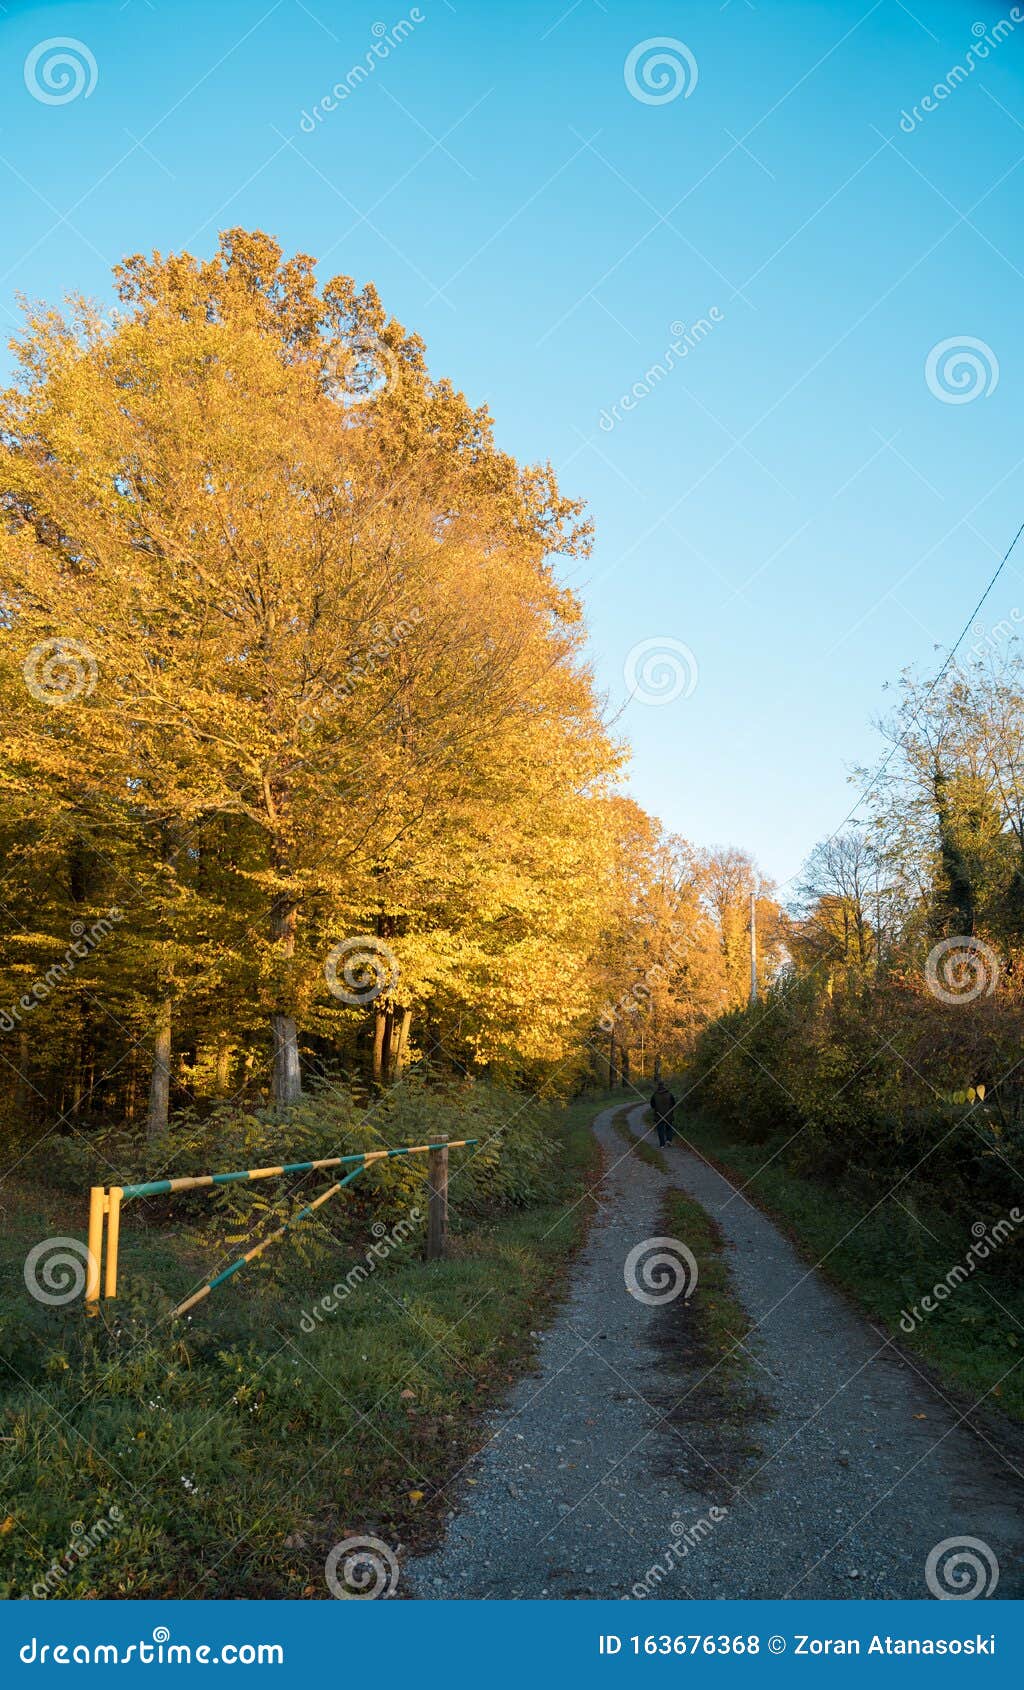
(239, 1447)
(722, 1322)
(709, 1390)
(888, 1259)
(707, 1330)
(642, 1147)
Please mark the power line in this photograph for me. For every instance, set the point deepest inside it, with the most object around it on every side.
(880, 771)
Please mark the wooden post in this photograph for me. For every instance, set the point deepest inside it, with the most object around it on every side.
(437, 1210)
(97, 1210)
(113, 1235)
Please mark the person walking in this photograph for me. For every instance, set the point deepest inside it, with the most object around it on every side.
(663, 1107)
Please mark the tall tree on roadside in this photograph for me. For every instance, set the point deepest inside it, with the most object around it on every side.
(219, 507)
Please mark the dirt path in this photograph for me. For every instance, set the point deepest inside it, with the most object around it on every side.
(841, 1482)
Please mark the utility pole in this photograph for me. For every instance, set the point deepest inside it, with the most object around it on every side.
(753, 947)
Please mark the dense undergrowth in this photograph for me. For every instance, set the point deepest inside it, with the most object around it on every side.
(332, 1389)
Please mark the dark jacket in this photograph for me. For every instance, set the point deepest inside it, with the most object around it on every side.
(663, 1104)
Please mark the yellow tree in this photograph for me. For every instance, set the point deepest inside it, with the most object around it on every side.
(729, 879)
(262, 571)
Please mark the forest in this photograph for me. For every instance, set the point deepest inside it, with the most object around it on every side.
(306, 777)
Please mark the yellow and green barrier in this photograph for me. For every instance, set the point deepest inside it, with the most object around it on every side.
(105, 1211)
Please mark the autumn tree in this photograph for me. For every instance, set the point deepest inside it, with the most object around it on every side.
(729, 878)
(276, 597)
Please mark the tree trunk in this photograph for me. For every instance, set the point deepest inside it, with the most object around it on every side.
(222, 1076)
(133, 1080)
(160, 1080)
(78, 1082)
(657, 1069)
(611, 1062)
(378, 1043)
(287, 1081)
(624, 1065)
(387, 1051)
(402, 1040)
(21, 1088)
(286, 1087)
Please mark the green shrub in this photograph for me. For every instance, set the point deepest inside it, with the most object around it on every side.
(870, 1089)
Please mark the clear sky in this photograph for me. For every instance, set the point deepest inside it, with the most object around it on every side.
(795, 505)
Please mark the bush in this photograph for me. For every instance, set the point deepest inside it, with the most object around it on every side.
(874, 1087)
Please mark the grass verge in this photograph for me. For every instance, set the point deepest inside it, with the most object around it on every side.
(227, 1456)
(642, 1147)
(708, 1391)
(892, 1256)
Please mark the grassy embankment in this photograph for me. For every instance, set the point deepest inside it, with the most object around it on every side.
(225, 1455)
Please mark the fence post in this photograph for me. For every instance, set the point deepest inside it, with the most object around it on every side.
(97, 1209)
(113, 1235)
(437, 1210)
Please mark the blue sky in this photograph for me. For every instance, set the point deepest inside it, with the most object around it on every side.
(791, 506)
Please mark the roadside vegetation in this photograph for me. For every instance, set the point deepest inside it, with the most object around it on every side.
(874, 1095)
(226, 1454)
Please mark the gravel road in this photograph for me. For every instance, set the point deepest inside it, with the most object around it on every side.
(848, 1473)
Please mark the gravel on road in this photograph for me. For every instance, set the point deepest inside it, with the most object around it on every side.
(852, 1471)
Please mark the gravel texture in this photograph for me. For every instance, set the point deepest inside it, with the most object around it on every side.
(839, 1482)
